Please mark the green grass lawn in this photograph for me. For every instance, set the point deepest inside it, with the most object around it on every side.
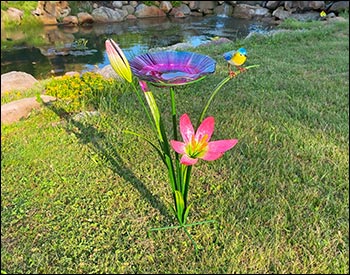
(79, 196)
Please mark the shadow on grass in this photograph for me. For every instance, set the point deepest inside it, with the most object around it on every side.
(88, 134)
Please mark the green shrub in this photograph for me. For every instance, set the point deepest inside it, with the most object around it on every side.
(78, 93)
(176, 4)
(148, 3)
(25, 6)
(28, 19)
(80, 6)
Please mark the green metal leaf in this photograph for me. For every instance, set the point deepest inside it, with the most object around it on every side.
(187, 211)
(180, 205)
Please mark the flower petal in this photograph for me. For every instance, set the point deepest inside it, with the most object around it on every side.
(221, 145)
(186, 160)
(217, 148)
(206, 128)
(178, 146)
(186, 128)
(118, 60)
(212, 156)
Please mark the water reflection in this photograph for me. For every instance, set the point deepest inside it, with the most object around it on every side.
(55, 50)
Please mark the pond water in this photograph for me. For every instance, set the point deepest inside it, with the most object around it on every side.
(55, 50)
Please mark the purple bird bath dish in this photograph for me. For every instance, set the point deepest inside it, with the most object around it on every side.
(172, 68)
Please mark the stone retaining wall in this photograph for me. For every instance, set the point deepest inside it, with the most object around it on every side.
(59, 12)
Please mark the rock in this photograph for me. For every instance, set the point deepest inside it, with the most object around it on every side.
(166, 6)
(339, 6)
(143, 11)
(205, 6)
(15, 110)
(117, 4)
(49, 11)
(131, 17)
(48, 19)
(70, 20)
(129, 9)
(331, 15)
(181, 11)
(16, 81)
(14, 14)
(261, 12)
(248, 12)
(179, 14)
(85, 18)
(303, 5)
(193, 5)
(281, 14)
(252, 3)
(196, 13)
(104, 15)
(108, 72)
(133, 3)
(185, 9)
(224, 10)
(306, 16)
(272, 5)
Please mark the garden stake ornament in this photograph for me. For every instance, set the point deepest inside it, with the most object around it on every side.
(172, 69)
(236, 58)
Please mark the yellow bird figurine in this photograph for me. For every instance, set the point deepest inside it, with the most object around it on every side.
(236, 58)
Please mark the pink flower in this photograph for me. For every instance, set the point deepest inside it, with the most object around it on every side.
(197, 145)
(118, 60)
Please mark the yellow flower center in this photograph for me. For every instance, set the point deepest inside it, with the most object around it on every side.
(197, 148)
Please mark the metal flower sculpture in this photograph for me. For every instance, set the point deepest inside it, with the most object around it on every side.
(172, 69)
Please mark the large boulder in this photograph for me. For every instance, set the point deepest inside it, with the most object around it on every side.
(18, 81)
(18, 109)
(248, 11)
(104, 15)
(143, 11)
